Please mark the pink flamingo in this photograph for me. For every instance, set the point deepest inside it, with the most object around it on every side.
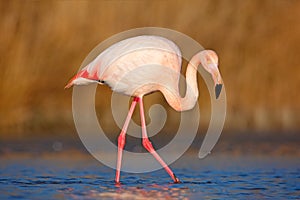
(131, 54)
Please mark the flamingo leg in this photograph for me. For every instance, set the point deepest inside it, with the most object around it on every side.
(147, 144)
(121, 139)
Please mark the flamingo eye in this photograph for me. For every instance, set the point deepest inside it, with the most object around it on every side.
(208, 60)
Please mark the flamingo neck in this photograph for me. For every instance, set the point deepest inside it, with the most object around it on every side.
(191, 96)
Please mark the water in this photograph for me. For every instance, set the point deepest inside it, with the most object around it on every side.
(216, 177)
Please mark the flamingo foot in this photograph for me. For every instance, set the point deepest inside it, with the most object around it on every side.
(148, 146)
(176, 180)
(118, 184)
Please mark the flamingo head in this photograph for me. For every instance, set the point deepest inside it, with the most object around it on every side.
(209, 61)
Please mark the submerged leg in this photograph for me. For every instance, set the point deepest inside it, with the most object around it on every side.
(121, 139)
(147, 144)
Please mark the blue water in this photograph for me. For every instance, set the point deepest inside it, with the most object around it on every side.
(216, 177)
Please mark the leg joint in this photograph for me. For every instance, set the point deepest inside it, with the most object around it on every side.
(148, 145)
(121, 140)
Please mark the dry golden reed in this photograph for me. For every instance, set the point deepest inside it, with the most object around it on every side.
(42, 44)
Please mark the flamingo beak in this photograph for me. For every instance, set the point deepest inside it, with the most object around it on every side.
(218, 82)
(218, 89)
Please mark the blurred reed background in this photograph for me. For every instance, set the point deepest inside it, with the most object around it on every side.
(42, 44)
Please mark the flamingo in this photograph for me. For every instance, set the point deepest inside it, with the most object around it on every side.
(141, 52)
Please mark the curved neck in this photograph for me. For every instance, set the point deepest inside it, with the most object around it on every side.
(191, 96)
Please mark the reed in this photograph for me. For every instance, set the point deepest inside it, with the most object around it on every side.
(42, 44)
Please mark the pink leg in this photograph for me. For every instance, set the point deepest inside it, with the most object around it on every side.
(121, 139)
(147, 144)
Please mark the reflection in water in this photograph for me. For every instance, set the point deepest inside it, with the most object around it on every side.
(150, 192)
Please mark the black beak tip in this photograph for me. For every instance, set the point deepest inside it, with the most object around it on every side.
(218, 89)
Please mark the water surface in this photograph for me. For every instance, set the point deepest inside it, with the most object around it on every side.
(216, 177)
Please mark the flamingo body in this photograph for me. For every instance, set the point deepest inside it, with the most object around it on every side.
(114, 66)
(141, 65)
